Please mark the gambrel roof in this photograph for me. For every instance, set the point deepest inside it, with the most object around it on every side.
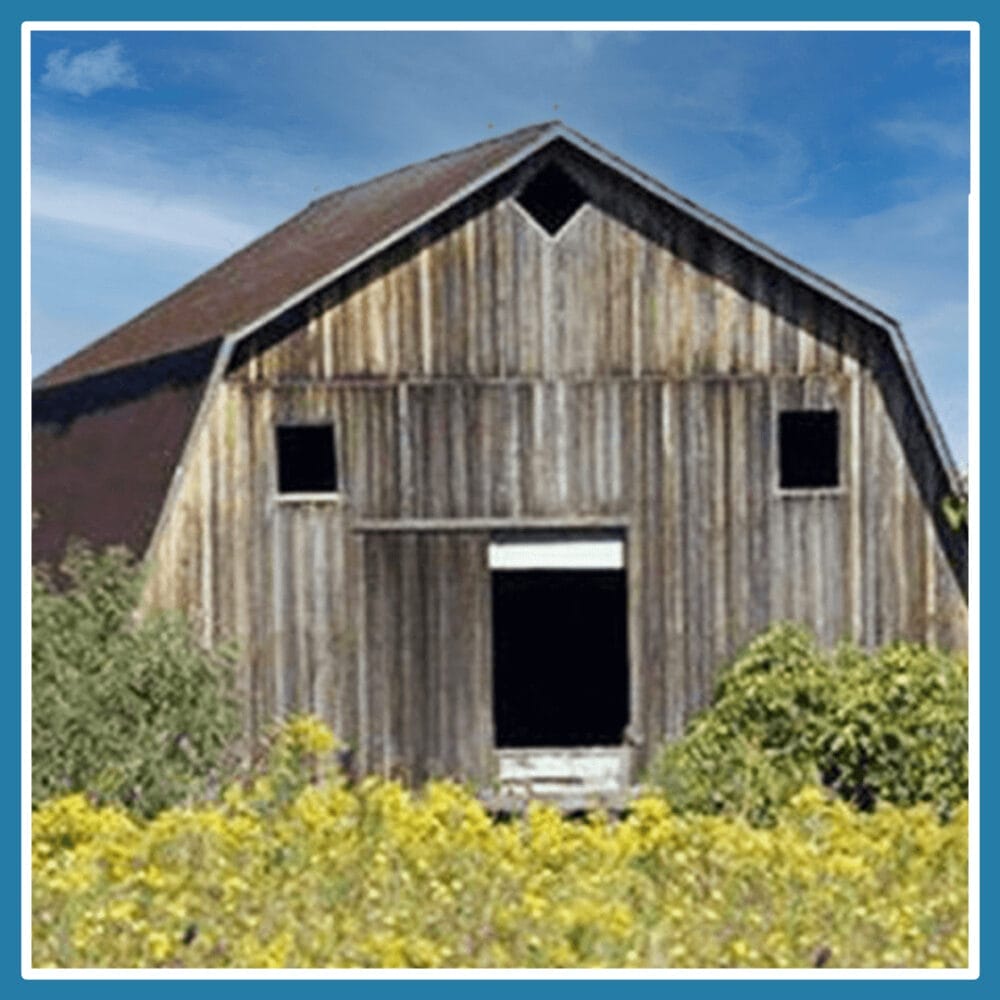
(307, 249)
(113, 419)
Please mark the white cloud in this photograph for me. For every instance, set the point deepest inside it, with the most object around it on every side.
(174, 220)
(88, 72)
(242, 172)
(942, 137)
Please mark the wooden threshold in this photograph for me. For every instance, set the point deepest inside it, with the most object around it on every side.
(571, 777)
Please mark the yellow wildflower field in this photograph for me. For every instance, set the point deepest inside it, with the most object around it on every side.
(377, 876)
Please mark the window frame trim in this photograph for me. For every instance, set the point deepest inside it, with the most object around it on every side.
(308, 496)
(805, 492)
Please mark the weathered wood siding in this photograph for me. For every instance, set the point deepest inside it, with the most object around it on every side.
(494, 377)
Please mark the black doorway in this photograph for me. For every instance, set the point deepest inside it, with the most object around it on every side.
(560, 657)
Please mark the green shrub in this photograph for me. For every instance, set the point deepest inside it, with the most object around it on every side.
(899, 729)
(128, 711)
(888, 726)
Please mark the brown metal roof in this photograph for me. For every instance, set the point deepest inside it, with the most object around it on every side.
(110, 423)
(104, 450)
(327, 234)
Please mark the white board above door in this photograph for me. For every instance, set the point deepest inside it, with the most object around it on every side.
(558, 554)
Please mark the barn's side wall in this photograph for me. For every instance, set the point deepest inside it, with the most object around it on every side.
(495, 378)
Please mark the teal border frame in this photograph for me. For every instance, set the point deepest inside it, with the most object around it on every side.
(988, 17)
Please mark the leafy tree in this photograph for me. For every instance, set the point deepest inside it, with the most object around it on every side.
(128, 710)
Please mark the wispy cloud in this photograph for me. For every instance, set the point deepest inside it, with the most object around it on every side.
(244, 171)
(907, 259)
(860, 174)
(952, 57)
(178, 221)
(945, 138)
(88, 72)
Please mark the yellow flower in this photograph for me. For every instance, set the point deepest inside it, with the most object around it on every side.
(375, 875)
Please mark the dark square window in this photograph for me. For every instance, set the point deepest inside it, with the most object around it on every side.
(808, 446)
(551, 198)
(307, 461)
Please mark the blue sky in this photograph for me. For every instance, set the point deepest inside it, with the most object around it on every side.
(155, 154)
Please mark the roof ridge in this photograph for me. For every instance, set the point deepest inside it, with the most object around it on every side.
(461, 150)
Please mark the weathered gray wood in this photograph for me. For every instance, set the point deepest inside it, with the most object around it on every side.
(625, 376)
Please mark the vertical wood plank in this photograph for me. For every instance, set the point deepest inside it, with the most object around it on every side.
(627, 368)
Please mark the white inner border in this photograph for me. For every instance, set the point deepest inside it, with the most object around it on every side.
(972, 972)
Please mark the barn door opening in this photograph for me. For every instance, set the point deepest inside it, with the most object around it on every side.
(560, 643)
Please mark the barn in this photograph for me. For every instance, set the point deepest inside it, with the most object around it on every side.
(493, 460)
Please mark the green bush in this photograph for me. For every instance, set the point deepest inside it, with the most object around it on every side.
(128, 711)
(887, 726)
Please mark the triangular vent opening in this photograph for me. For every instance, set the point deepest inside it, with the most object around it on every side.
(551, 198)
